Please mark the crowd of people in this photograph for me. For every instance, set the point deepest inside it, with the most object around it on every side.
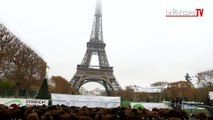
(62, 112)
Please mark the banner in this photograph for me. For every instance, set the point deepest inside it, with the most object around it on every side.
(148, 105)
(88, 101)
(23, 102)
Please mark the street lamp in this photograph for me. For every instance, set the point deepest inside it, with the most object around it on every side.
(47, 71)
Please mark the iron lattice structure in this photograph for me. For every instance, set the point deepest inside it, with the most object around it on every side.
(103, 74)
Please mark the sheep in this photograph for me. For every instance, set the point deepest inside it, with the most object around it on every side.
(33, 116)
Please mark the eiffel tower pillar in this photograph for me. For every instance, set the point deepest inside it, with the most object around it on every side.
(103, 74)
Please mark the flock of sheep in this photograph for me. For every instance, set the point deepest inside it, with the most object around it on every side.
(63, 112)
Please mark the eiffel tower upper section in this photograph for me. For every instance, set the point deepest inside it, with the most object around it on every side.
(96, 46)
(96, 34)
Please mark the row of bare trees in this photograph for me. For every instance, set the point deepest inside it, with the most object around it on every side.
(21, 69)
(184, 89)
(166, 94)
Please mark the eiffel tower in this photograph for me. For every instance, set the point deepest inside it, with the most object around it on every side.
(103, 73)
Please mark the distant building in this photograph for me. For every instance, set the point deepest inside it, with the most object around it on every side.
(95, 92)
(146, 89)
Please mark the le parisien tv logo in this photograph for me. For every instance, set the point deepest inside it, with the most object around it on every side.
(198, 12)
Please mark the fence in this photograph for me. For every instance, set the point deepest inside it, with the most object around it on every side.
(89, 101)
(90, 104)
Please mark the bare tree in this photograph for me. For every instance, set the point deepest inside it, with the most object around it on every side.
(205, 79)
(18, 62)
(160, 85)
(58, 84)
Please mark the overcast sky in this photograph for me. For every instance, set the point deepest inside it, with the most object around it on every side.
(142, 44)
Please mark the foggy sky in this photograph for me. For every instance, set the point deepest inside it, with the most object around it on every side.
(142, 44)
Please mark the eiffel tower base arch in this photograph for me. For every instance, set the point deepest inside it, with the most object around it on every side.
(104, 77)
